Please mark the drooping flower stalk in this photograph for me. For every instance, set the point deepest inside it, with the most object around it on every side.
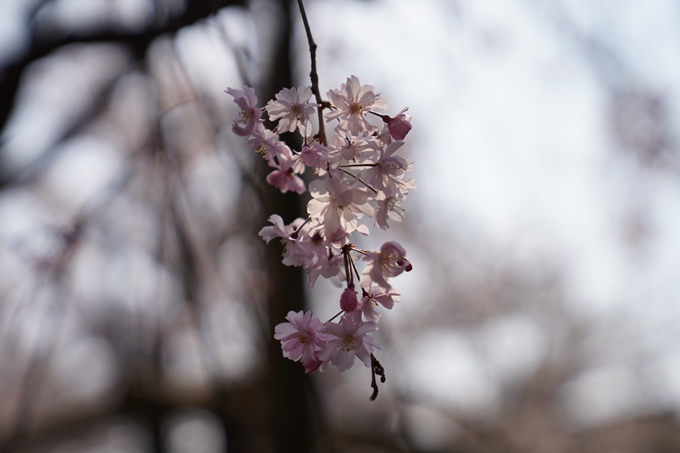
(359, 175)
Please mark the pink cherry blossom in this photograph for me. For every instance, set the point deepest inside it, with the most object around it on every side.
(292, 109)
(315, 156)
(353, 101)
(346, 342)
(277, 230)
(297, 251)
(337, 203)
(387, 172)
(284, 177)
(377, 296)
(389, 262)
(359, 174)
(390, 207)
(327, 267)
(268, 143)
(244, 121)
(361, 149)
(301, 336)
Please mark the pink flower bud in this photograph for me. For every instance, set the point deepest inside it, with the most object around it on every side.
(406, 264)
(349, 299)
(312, 364)
(398, 126)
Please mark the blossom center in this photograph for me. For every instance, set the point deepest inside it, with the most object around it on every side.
(296, 109)
(349, 343)
(356, 109)
(246, 116)
(389, 260)
(393, 166)
(303, 339)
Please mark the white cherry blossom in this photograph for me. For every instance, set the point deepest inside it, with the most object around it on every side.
(293, 110)
(245, 121)
(337, 203)
(348, 341)
(353, 102)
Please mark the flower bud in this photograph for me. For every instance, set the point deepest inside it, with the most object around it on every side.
(398, 126)
(349, 300)
(312, 364)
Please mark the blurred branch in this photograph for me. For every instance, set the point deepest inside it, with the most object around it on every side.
(137, 43)
(36, 167)
(55, 268)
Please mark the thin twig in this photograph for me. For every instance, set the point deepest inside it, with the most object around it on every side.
(354, 266)
(336, 315)
(313, 75)
(358, 165)
(359, 179)
(348, 271)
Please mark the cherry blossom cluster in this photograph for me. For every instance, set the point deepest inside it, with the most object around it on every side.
(360, 175)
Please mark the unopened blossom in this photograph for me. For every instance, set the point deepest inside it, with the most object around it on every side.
(346, 342)
(292, 109)
(312, 365)
(349, 299)
(353, 102)
(398, 126)
(300, 337)
(244, 121)
(389, 262)
(284, 177)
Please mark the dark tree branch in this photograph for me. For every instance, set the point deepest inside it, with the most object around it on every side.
(313, 75)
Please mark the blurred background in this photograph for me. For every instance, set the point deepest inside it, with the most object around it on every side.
(137, 302)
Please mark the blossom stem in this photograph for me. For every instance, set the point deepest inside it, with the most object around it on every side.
(338, 314)
(348, 270)
(358, 165)
(359, 179)
(354, 266)
(305, 223)
(313, 75)
(296, 233)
